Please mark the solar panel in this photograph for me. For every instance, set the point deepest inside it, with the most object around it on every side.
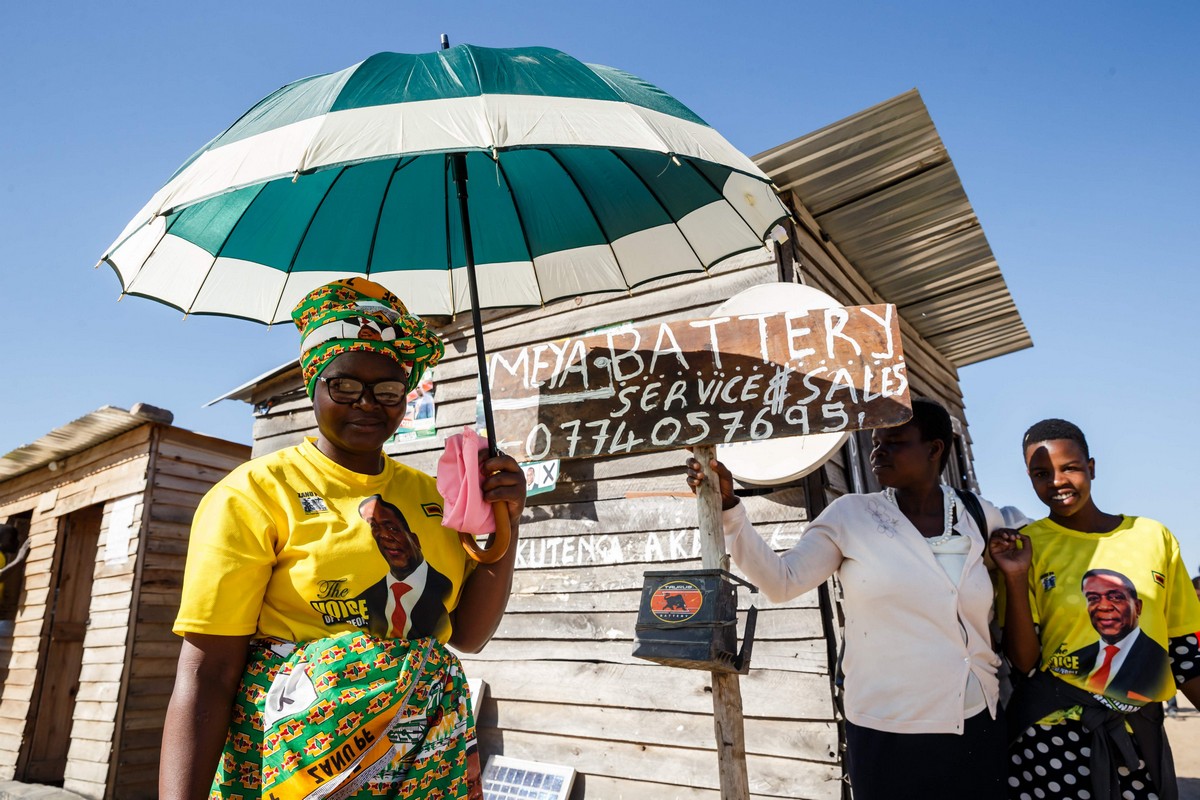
(507, 778)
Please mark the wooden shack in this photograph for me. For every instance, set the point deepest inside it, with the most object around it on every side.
(881, 217)
(106, 501)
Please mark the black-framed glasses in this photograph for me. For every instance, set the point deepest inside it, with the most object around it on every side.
(346, 391)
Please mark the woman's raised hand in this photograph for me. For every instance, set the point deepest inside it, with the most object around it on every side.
(1011, 551)
(695, 476)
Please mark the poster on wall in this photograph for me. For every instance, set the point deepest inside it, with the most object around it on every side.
(120, 530)
(419, 416)
(540, 476)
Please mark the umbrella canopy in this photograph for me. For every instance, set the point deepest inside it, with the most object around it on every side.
(582, 179)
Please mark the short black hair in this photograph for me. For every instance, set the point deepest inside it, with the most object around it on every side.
(1196, 582)
(1092, 573)
(9, 536)
(933, 421)
(379, 499)
(1050, 429)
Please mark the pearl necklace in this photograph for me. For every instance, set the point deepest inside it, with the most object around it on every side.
(947, 512)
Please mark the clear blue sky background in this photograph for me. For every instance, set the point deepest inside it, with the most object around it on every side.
(1073, 127)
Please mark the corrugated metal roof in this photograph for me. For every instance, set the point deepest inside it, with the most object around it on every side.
(882, 186)
(87, 431)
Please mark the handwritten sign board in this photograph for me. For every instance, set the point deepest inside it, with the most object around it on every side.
(705, 381)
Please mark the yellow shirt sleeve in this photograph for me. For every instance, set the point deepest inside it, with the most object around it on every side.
(230, 557)
(1183, 607)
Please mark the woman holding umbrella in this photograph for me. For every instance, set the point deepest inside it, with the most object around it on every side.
(922, 717)
(321, 589)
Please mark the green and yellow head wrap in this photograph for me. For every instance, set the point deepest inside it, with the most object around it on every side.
(356, 314)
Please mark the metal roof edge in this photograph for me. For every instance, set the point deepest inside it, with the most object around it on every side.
(93, 428)
(245, 391)
(881, 185)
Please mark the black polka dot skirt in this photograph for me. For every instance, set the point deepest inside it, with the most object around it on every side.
(1050, 762)
(1185, 657)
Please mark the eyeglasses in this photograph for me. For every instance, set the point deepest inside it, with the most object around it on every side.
(346, 391)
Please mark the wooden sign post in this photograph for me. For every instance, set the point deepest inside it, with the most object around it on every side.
(727, 690)
(694, 384)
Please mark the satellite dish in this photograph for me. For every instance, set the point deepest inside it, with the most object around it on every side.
(771, 462)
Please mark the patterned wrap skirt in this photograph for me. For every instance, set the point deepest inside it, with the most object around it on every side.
(351, 716)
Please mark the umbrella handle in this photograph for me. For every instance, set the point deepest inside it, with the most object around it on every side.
(499, 546)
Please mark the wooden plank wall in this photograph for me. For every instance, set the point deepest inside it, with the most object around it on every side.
(184, 466)
(562, 685)
(126, 675)
(116, 468)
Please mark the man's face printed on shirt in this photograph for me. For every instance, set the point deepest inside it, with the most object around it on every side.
(1111, 604)
(398, 545)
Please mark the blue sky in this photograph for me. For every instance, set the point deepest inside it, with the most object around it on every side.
(1072, 126)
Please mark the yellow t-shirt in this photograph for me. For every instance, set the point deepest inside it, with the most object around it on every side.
(1137, 624)
(280, 548)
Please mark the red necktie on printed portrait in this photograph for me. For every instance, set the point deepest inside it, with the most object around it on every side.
(1099, 679)
(399, 618)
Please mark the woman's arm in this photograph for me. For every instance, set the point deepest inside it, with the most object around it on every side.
(206, 681)
(485, 595)
(17, 560)
(1013, 555)
(780, 576)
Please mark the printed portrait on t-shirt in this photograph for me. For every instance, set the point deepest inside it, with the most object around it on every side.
(408, 602)
(1126, 588)
(1123, 663)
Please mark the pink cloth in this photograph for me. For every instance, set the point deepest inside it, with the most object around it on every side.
(458, 481)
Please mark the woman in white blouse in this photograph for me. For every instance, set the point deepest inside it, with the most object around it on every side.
(921, 693)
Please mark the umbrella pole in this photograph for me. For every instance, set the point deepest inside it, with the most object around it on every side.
(726, 689)
(458, 168)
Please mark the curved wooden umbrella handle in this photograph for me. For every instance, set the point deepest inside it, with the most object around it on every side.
(490, 555)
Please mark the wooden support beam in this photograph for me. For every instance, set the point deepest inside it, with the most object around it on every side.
(726, 690)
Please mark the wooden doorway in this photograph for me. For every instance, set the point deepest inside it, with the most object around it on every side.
(10, 597)
(44, 754)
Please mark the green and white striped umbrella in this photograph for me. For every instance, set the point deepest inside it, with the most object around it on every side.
(582, 179)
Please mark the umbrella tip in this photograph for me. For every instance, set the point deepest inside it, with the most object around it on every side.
(445, 42)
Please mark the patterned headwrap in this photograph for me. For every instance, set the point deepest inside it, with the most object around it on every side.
(356, 314)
